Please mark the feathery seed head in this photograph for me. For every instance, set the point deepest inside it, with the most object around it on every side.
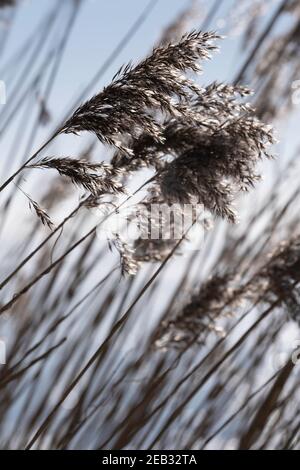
(127, 106)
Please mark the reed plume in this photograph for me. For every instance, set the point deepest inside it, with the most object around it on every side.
(214, 154)
(129, 265)
(157, 84)
(220, 313)
(217, 298)
(7, 3)
(97, 178)
(218, 164)
(41, 213)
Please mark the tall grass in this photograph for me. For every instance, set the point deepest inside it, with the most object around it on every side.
(149, 345)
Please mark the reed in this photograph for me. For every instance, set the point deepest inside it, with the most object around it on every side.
(117, 343)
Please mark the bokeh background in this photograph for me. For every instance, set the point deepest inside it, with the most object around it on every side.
(234, 385)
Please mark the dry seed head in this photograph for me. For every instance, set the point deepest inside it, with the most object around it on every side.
(281, 277)
(41, 214)
(175, 30)
(129, 265)
(198, 317)
(39, 211)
